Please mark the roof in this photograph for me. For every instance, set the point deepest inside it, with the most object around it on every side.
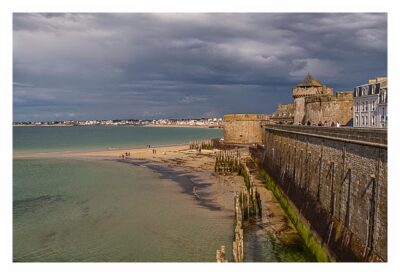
(309, 81)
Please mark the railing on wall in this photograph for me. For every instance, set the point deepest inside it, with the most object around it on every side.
(371, 137)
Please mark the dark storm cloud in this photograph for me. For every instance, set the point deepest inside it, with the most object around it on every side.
(89, 66)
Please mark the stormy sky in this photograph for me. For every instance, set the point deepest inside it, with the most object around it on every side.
(148, 66)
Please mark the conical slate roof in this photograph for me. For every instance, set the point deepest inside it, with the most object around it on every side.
(309, 81)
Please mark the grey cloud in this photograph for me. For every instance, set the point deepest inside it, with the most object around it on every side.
(185, 65)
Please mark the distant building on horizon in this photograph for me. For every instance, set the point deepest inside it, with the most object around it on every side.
(370, 104)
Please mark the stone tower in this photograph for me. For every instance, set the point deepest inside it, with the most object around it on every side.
(308, 87)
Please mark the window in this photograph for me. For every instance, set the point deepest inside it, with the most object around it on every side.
(364, 90)
(356, 120)
(366, 106)
(373, 120)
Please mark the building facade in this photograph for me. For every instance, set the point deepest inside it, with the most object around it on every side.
(370, 104)
(284, 114)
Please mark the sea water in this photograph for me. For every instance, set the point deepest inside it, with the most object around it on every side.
(58, 138)
(79, 210)
(88, 210)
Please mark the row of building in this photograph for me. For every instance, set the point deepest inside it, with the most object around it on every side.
(316, 104)
(201, 122)
(370, 104)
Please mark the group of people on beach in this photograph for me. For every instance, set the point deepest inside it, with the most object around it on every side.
(154, 151)
(126, 155)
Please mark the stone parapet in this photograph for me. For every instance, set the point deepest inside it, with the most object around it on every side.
(371, 135)
(243, 117)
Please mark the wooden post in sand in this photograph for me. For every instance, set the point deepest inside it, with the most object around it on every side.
(237, 247)
(221, 255)
(218, 256)
(227, 162)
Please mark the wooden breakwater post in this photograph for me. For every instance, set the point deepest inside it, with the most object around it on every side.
(221, 255)
(227, 161)
(247, 203)
(203, 144)
(246, 208)
(254, 199)
(237, 247)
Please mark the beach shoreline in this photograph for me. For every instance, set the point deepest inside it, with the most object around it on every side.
(197, 167)
(193, 170)
(101, 152)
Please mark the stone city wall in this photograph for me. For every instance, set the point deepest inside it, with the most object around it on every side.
(338, 182)
(329, 108)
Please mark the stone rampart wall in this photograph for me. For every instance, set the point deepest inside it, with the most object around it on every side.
(329, 108)
(339, 185)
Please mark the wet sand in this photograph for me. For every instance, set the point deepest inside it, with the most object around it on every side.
(106, 153)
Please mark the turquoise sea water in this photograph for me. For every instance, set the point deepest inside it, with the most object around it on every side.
(44, 139)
